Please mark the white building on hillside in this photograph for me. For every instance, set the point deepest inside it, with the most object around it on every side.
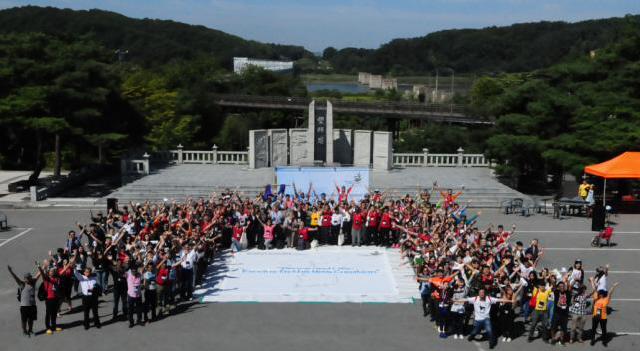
(240, 63)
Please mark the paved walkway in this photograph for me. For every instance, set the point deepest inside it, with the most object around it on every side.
(309, 326)
(7, 177)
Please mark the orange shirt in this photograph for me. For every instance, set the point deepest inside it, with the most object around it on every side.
(437, 281)
(600, 307)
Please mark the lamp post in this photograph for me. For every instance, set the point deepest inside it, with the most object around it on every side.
(453, 77)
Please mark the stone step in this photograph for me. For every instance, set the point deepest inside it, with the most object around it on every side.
(476, 203)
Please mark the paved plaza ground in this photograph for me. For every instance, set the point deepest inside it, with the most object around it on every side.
(307, 326)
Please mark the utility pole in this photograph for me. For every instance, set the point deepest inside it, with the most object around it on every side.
(453, 77)
(436, 85)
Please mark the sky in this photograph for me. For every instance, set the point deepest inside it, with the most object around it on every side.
(317, 24)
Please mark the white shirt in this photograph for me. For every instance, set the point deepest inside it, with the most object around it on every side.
(86, 283)
(524, 271)
(602, 283)
(575, 276)
(130, 228)
(336, 219)
(190, 260)
(481, 308)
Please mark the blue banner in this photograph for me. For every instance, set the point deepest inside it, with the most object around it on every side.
(324, 180)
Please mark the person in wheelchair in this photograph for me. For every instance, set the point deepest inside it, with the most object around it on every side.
(603, 235)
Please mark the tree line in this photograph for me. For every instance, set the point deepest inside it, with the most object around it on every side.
(66, 102)
(569, 115)
(517, 48)
(148, 42)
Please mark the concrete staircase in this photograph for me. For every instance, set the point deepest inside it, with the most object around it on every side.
(179, 182)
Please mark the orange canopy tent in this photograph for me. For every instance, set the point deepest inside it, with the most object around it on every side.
(626, 165)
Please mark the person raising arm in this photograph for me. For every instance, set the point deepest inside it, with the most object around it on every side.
(27, 298)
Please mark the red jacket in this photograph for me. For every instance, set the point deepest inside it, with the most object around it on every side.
(325, 219)
(302, 232)
(385, 220)
(372, 218)
(356, 220)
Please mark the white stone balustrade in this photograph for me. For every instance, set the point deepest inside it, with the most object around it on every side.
(425, 159)
(213, 156)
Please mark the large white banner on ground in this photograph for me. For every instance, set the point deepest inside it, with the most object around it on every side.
(324, 179)
(338, 274)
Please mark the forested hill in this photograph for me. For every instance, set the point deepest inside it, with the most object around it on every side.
(149, 42)
(516, 48)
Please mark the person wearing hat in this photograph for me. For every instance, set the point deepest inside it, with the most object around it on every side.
(27, 298)
(579, 312)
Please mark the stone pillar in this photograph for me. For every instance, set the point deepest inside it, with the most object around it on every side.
(123, 166)
(460, 156)
(382, 150)
(362, 148)
(33, 191)
(279, 145)
(146, 169)
(329, 134)
(259, 148)
(343, 146)
(298, 149)
(425, 153)
(180, 153)
(214, 154)
(311, 130)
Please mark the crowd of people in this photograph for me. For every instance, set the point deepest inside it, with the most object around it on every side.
(156, 253)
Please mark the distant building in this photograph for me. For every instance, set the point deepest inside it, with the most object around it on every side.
(389, 84)
(375, 81)
(240, 63)
(419, 90)
(363, 78)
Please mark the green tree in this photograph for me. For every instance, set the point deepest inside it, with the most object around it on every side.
(53, 87)
(162, 108)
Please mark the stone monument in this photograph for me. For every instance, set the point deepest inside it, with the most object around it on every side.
(258, 148)
(382, 150)
(328, 137)
(298, 147)
(362, 148)
(279, 146)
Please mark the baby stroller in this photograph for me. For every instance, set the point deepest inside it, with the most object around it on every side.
(605, 235)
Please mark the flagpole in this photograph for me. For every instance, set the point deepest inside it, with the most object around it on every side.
(604, 193)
